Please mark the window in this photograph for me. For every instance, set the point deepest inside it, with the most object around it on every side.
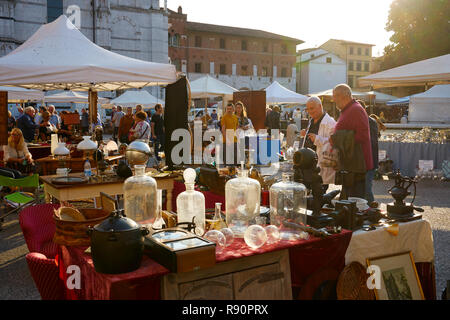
(350, 65)
(198, 67)
(312, 55)
(244, 70)
(223, 69)
(367, 52)
(177, 64)
(328, 59)
(264, 72)
(174, 40)
(54, 9)
(366, 66)
(284, 48)
(359, 51)
(265, 47)
(358, 66)
(284, 72)
(244, 45)
(198, 41)
(351, 50)
(222, 43)
(350, 81)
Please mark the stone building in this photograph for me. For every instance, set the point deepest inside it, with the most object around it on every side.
(246, 59)
(136, 29)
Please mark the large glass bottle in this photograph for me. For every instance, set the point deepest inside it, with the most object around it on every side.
(242, 202)
(191, 203)
(287, 205)
(139, 193)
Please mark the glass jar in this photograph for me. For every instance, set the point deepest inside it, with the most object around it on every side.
(139, 193)
(242, 201)
(191, 203)
(287, 204)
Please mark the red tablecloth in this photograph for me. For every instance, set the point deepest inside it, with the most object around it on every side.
(306, 258)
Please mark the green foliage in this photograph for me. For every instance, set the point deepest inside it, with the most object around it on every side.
(421, 31)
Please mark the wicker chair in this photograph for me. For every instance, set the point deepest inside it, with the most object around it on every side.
(38, 229)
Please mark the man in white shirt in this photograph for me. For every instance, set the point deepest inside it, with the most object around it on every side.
(116, 121)
(319, 131)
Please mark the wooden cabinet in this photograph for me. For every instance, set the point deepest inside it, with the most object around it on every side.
(255, 103)
(259, 277)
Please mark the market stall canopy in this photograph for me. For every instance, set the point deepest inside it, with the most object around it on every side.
(208, 87)
(329, 93)
(133, 97)
(401, 102)
(16, 94)
(71, 97)
(431, 106)
(58, 56)
(431, 71)
(381, 97)
(276, 93)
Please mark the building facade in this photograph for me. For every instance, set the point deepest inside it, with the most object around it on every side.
(319, 70)
(245, 59)
(358, 58)
(137, 29)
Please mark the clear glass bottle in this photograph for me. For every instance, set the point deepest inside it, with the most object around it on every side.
(191, 203)
(242, 202)
(287, 205)
(139, 193)
(218, 220)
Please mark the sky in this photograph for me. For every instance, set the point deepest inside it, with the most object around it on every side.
(313, 21)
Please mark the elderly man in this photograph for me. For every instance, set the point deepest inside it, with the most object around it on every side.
(320, 128)
(27, 125)
(116, 122)
(354, 118)
(54, 118)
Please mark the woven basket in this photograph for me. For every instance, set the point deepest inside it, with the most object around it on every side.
(352, 283)
(74, 233)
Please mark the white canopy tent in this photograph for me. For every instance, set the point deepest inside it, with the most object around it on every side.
(431, 106)
(426, 72)
(71, 97)
(209, 87)
(329, 93)
(16, 94)
(132, 97)
(381, 97)
(58, 56)
(276, 93)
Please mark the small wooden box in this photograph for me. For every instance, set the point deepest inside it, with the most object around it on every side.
(179, 250)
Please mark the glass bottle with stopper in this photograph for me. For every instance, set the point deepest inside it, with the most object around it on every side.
(139, 193)
(191, 204)
(242, 202)
(218, 222)
(287, 205)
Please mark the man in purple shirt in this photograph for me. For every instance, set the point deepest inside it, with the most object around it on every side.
(354, 117)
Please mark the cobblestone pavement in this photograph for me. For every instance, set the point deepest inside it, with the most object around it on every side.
(433, 196)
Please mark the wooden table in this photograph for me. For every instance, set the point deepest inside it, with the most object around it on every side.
(50, 164)
(92, 189)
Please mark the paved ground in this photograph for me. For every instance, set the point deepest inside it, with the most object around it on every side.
(433, 196)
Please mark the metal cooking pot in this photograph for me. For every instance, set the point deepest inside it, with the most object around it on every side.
(138, 152)
(117, 244)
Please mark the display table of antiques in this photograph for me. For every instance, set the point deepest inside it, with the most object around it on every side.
(49, 164)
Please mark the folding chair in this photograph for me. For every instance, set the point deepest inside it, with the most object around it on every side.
(19, 200)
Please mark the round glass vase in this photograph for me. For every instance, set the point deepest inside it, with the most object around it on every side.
(140, 196)
(287, 205)
(242, 202)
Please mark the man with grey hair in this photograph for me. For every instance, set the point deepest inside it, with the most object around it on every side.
(354, 118)
(27, 125)
(320, 128)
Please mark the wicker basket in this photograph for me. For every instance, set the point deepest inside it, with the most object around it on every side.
(352, 283)
(74, 233)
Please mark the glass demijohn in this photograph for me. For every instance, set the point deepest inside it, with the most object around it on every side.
(287, 204)
(191, 203)
(242, 202)
(139, 192)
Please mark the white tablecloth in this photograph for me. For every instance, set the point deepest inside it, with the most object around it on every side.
(414, 236)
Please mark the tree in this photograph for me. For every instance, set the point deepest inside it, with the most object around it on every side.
(421, 31)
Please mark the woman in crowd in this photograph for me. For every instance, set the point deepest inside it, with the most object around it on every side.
(46, 128)
(141, 128)
(16, 154)
(11, 121)
(244, 122)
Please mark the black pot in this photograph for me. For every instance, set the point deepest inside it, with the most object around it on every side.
(117, 244)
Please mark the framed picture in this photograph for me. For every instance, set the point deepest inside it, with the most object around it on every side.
(398, 279)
